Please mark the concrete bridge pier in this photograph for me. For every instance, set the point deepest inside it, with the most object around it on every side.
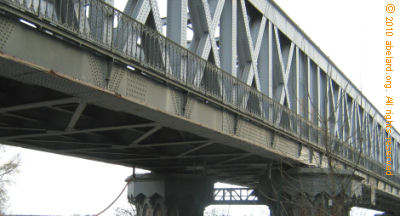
(311, 192)
(165, 195)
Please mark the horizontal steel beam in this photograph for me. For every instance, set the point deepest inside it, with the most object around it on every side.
(37, 105)
(62, 133)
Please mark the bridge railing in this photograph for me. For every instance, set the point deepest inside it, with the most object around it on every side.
(109, 28)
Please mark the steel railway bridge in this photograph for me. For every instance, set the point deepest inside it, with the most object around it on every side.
(219, 90)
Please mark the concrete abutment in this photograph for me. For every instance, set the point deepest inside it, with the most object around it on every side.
(310, 192)
(164, 195)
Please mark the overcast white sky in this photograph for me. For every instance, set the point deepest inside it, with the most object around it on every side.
(351, 33)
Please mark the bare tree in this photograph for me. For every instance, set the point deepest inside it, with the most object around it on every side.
(332, 145)
(125, 212)
(8, 168)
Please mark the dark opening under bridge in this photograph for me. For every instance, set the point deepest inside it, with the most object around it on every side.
(257, 104)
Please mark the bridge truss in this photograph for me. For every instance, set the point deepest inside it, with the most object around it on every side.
(245, 56)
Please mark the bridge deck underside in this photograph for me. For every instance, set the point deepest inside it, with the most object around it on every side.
(46, 119)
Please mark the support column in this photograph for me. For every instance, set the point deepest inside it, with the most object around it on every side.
(177, 21)
(311, 192)
(157, 195)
